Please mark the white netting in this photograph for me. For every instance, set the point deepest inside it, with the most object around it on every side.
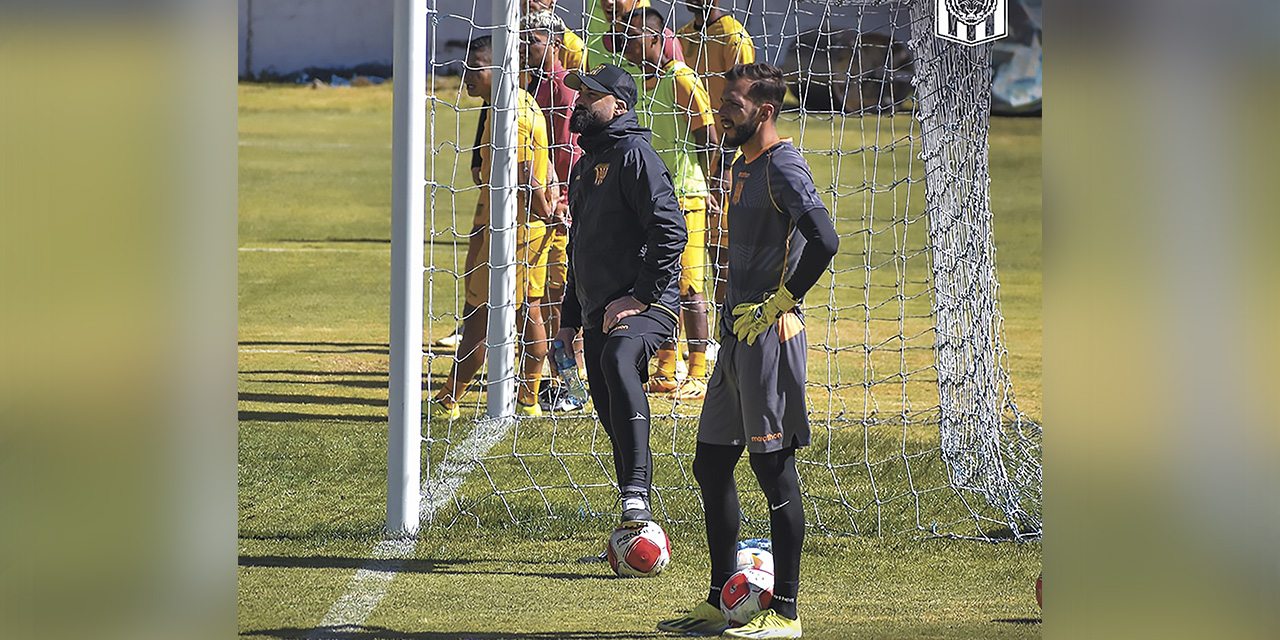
(914, 420)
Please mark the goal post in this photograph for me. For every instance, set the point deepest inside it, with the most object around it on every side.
(915, 423)
(404, 408)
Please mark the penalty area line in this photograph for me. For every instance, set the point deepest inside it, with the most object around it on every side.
(370, 583)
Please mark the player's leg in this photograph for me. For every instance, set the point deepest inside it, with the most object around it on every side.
(718, 251)
(693, 305)
(467, 362)
(557, 276)
(720, 445)
(776, 425)
(532, 247)
(622, 436)
(532, 351)
(470, 352)
(623, 363)
(776, 473)
(713, 467)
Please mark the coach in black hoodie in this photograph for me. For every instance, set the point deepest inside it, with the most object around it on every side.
(624, 267)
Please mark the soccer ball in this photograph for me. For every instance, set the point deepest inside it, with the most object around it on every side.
(747, 593)
(754, 558)
(638, 550)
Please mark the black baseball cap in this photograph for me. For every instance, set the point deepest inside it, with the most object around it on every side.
(606, 78)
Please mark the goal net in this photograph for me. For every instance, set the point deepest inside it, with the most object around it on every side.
(915, 424)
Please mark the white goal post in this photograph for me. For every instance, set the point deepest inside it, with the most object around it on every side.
(916, 428)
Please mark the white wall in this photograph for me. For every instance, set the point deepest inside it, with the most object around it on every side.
(288, 35)
(285, 36)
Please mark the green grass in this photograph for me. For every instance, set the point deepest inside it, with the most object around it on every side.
(314, 289)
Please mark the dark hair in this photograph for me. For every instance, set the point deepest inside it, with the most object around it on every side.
(481, 44)
(767, 85)
(650, 15)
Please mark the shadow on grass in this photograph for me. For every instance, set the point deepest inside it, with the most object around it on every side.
(296, 346)
(1018, 620)
(361, 632)
(394, 565)
(373, 380)
(289, 416)
(412, 565)
(293, 398)
(309, 343)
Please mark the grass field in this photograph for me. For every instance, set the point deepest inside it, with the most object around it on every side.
(314, 266)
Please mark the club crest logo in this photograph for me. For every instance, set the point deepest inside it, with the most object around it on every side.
(602, 170)
(972, 22)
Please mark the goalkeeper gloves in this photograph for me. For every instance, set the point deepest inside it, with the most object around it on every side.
(751, 320)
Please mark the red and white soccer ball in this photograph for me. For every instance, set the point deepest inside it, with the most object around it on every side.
(638, 550)
(754, 558)
(747, 593)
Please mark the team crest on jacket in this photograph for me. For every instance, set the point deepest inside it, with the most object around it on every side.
(602, 170)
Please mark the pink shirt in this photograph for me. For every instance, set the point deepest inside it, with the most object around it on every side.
(556, 100)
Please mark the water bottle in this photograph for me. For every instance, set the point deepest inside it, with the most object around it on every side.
(567, 368)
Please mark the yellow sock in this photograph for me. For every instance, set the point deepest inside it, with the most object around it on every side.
(697, 364)
(667, 362)
(531, 397)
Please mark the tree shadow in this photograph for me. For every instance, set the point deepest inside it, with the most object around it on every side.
(308, 343)
(310, 346)
(379, 383)
(297, 372)
(412, 565)
(362, 632)
(282, 398)
(392, 565)
(289, 416)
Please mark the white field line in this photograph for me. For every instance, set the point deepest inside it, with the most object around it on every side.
(369, 584)
(450, 472)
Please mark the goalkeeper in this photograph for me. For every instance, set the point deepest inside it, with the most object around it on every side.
(780, 242)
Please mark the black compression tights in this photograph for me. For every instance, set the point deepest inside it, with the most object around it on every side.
(614, 366)
(776, 473)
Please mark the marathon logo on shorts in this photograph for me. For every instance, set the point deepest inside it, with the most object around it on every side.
(972, 22)
(767, 438)
(602, 170)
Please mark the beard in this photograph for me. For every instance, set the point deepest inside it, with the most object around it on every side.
(584, 121)
(741, 133)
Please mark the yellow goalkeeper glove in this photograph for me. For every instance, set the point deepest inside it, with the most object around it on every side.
(751, 320)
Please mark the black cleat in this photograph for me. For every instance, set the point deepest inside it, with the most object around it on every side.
(635, 508)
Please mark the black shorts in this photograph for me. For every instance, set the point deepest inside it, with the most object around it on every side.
(756, 393)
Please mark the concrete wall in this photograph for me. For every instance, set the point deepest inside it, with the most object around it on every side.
(284, 36)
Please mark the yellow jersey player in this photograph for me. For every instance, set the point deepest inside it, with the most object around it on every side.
(534, 208)
(675, 106)
(713, 43)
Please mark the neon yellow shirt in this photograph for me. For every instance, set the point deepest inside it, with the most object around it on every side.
(673, 104)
